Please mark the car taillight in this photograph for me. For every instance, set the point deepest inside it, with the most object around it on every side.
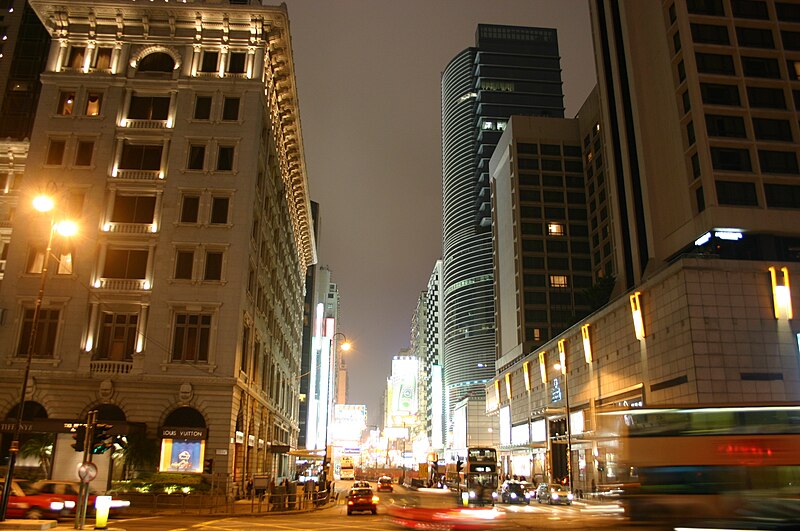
(349, 502)
(375, 499)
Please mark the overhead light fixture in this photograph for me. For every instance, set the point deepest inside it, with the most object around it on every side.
(781, 294)
(636, 313)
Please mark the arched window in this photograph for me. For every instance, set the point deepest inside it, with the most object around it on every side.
(157, 62)
(185, 417)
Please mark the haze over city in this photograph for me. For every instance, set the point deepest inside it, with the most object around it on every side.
(370, 94)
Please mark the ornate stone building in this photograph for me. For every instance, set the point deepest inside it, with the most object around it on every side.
(171, 133)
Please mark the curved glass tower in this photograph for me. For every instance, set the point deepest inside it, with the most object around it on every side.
(512, 70)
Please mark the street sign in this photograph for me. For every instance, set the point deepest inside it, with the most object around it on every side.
(87, 472)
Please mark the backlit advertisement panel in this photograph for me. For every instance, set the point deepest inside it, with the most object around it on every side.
(181, 455)
(404, 385)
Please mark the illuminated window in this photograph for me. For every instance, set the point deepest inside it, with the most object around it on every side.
(75, 57)
(93, 102)
(555, 229)
(64, 266)
(558, 281)
(66, 102)
(117, 336)
(488, 125)
(102, 59)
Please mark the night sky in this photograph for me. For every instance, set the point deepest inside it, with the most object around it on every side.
(368, 75)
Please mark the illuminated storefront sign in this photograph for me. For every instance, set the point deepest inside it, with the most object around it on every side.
(182, 450)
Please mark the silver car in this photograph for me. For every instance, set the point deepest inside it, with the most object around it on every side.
(553, 493)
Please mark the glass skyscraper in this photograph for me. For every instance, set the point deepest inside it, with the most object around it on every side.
(510, 71)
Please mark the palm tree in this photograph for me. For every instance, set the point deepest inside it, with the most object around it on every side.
(138, 454)
(39, 446)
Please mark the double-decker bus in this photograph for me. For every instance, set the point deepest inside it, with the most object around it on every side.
(347, 468)
(708, 463)
(477, 476)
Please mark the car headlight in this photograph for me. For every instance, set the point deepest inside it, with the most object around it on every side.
(69, 504)
(554, 496)
(472, 494)
(494, 495)
(569, 496)
(513, 496)
(56, 505)
(527, 494)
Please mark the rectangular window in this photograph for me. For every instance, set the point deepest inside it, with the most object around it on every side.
(55, 152)
(791, 40)
(190, 208)
(730, 159)
(725, 126)
(695, 166)
(750, 9)
(149, 108)
(117, 336)
(213, 270)
(44, 344)
(236, 62)
(766, 98)
(736, 193)
(35, 261)
(184, 264)
(102, 58)
(710, 34)
(94, 102)
(219, 210)
(705, 7)
(140, 157)
(687, 102)
(210, 62)
(769, 129)
(197, 157)
(755, 37)
(690, 133)
(717, 94)
(778, 161)
(788, 12)
(133, 209)
(714, 63)
(793, 68)
(66, 103)
(225, 158)
(202, 108)
(558, 281)
(192, 338)
(125, 263)
(230, 109)
(75, 56)
(782, 195)
(64, 265)
(700, 198)
(555, 229)
(761, 67)
(84, 152)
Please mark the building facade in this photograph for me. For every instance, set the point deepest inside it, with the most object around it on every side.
(171, 133)
(511, 70)
(699, 136)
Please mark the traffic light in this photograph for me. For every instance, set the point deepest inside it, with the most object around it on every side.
(460, 465)
(78, 438)
(208, 466)
(102, 441)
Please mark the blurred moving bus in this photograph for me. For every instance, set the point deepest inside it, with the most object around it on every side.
(730, 463)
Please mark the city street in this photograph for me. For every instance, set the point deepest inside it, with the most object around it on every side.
(514, 517)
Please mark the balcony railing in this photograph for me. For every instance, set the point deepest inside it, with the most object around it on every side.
(145, 124)
(137, 175)
(129, 228)
(110, 367)
(122, 284)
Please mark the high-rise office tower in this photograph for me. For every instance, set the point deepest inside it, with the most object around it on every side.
(308, 334)
(511, 70)
(702, 98)
(171, 133)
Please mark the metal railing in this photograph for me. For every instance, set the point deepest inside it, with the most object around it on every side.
(259, 503)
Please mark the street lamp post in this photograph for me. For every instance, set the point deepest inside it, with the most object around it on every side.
(42, 203)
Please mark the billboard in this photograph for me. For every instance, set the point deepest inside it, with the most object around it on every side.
(403, 386)
(349, 422)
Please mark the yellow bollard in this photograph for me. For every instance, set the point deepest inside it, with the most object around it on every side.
(102, 504)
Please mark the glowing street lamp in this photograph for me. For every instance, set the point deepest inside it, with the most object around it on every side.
(42, 203)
